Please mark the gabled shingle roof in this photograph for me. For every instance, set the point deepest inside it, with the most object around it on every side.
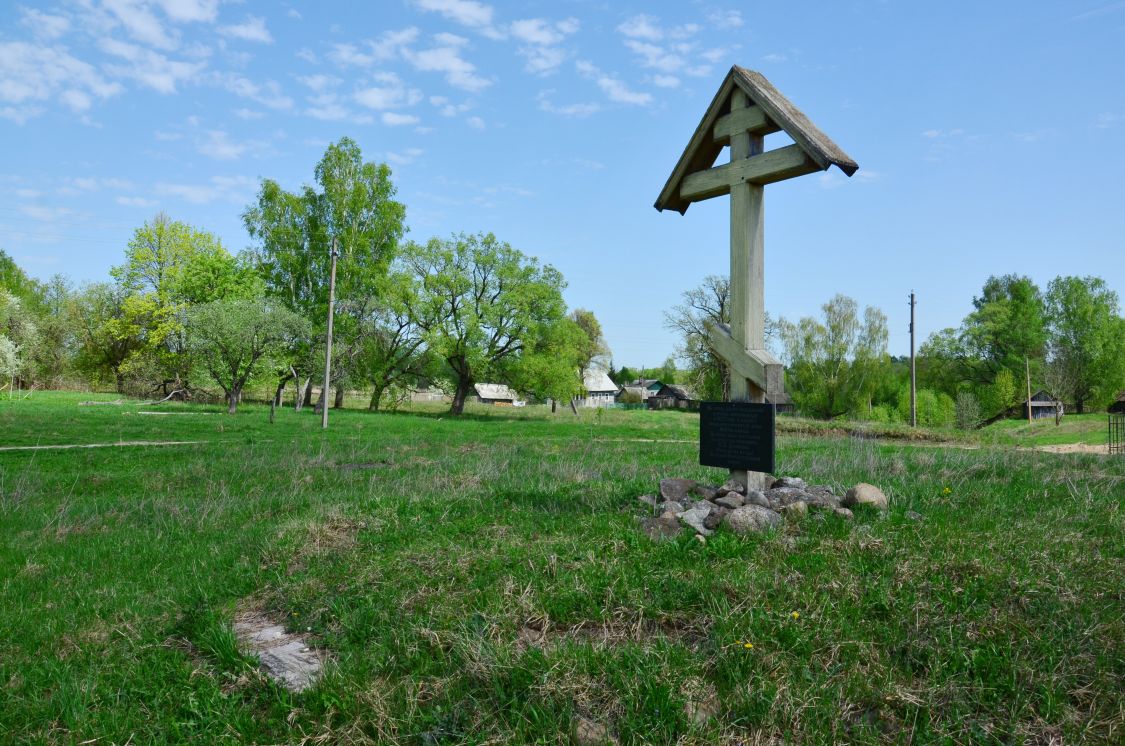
(781, 114)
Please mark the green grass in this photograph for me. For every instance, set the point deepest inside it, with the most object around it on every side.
(483, 580)
(1090, 429)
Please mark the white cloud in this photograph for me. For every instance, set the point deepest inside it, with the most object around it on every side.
(392, 94)
(348, 55)
(267, 94)
(141, 23)
(219, 146)
(327, 108)
(1106, 120)
(247, 114)
(252, 29)
(44, 25)
(150, 68)
(405, 158)
(725, 19)
(319, 83)
(613, 87)
(234, 189)
(306, 54)
(449, 109)
(394, 119)
(642, 27)
(577, 110)
(30, 74)
(136, 202)
(185, 11)
(775, 57)
(475, 122)
(44, 214)
(465, 12)
(666, 81)
(391, 43)
(542, 32)
(541, 39)
(648, 28)
(79, 184)
(446, 58)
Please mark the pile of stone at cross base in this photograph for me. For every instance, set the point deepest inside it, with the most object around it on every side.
(684, 502)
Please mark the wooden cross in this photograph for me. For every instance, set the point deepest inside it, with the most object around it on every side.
(746, 108)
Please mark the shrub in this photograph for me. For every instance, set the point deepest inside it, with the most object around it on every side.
(967, 411)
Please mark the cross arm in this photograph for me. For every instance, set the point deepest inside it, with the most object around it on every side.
(774, 165)
(759, 366)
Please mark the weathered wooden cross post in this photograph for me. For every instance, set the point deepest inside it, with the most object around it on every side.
(746, 109)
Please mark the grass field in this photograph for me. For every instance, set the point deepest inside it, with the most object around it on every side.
(483, 580)
(1090, 429)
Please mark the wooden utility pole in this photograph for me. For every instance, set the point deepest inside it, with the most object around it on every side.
(913, 372)
(1027, 372)
(328, 346)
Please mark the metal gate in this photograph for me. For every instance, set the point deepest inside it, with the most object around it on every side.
(1117, 433)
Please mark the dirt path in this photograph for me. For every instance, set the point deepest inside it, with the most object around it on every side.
(120, 444)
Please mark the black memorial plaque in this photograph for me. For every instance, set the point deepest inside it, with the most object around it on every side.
(737, 435)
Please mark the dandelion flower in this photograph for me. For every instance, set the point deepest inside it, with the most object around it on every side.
(795, 615)
(748, 645)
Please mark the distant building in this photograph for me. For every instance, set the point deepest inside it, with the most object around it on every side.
(671, 396)
(636, 394)
(1118, 405)
(1042, 404)
(649, 387)
(782, 403)
(428, 394)
(497, 394)
(601, 391)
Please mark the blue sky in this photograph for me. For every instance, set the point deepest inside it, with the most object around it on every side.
(990, 136)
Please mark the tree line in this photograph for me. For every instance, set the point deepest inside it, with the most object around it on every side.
(1069, 339)
(183, 314)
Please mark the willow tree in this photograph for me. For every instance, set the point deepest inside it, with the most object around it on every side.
(832, 363)
(483, 305)
(352, 204)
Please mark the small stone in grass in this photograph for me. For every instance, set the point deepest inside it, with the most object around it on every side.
(649, 500)
(669, 505)
(911, 515)
(662, 528)
(844, 513)
(796, 482)
(796, 511)
(865, 494)
(696, 516)
(590, 733)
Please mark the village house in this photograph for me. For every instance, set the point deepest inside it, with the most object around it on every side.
(601, 391)
(1118, 405)
(671, 396)
(497, 394)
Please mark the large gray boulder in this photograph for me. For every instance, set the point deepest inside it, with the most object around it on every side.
(752, 519)
(865, 494)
